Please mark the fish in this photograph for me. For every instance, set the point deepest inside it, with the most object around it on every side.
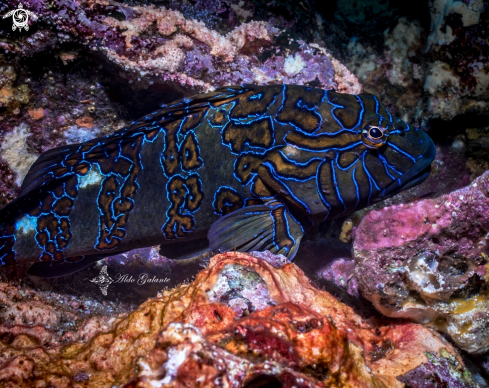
(247, 168)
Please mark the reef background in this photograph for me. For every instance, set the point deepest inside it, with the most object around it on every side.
(88, 68)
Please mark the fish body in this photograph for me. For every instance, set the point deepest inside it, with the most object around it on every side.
(249, 168)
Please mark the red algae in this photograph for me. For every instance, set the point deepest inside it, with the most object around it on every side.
(293, 334)
(428, 261)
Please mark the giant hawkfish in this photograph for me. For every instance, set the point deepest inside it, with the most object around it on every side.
(245, 168)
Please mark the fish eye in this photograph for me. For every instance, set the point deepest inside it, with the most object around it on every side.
(375, 133)
(374, 136)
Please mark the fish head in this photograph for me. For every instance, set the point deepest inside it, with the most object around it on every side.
(380, 157)
(406, 155)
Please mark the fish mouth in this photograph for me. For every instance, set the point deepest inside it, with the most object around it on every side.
(414, 176)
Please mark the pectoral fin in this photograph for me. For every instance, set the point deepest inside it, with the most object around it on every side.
(257, 228)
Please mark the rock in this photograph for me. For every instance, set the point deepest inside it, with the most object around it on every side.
(446, 64)
(443, 369)
(178, 49)
(193, 335)
(31, 318)
(428, 261)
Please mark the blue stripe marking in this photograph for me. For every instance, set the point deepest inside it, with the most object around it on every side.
(387, 165)
(390, 117)
(283, 100)
(402, 152)
(357, 189)
(336, 106)
(338, 194)
(370, 180)
(326, 204)
(273, 172)
(306, 164)
(353, 145)
(351, 164)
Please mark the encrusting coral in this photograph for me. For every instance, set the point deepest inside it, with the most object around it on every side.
(285, 331)
(428, 261)
(159, 44)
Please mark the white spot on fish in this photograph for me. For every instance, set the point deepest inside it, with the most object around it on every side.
(26, 224)
(92, 178)
(290, 151)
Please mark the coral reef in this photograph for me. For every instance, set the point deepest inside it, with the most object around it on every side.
(442, 74)
(291, 333)
(458, 79)
(14, 152)
(12, 96)
(88, 68)
(427, 261)
(395, 74)
(50, 319)
(177, 49)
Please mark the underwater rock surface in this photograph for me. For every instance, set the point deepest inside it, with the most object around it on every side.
(440, 72)
(88, 68)
(428, 261)
(286, 331)
(162, 45)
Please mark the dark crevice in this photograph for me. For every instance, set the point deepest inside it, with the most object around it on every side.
(443, 132)
(263, 381)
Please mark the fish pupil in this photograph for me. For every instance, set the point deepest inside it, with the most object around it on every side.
(375, 133)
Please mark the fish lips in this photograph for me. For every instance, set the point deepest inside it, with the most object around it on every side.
(414, 176)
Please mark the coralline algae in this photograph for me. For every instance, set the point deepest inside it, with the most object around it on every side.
(178, 50)
(428, 261)
(294, 334)
(434, 275)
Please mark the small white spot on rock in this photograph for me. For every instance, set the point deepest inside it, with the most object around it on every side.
(458, 144)
(293, 64)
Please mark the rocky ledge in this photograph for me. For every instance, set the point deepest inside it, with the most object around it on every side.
(428, 261)
(241, 322)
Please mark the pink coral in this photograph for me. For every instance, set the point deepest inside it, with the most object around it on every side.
(427, 260)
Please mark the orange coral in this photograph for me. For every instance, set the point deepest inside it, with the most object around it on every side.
(240, 320)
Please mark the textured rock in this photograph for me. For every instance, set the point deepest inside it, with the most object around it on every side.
(443, 370)
(428, 261)
(457, 79)
(35, 324)
(447, 64)
(176, 49)
(12, 96)
(290, 333)
(14, 151)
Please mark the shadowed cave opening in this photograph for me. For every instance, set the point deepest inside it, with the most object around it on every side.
(263, 381)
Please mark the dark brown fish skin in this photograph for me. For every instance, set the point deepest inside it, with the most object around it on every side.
(290, 154)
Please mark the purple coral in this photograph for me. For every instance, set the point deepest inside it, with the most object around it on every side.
(428, 261)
